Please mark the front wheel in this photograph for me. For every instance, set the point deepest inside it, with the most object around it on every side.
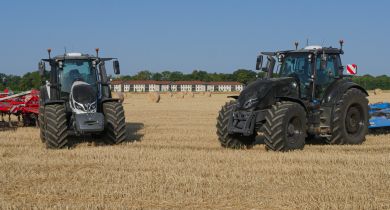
(115, 125)
(41, 115)
(233, 141)
(285, 127)
(55, 128)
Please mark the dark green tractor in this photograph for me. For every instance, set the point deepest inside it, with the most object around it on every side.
(75, 100)
(308, 97)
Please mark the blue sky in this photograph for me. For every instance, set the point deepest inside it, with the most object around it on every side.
(211, 35)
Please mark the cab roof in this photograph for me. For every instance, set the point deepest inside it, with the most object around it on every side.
(308, 49)
(77, 56)
(316, 49)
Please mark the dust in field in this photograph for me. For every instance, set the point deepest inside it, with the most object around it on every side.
(176, 162)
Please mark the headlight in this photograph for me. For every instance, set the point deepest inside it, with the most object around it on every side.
(294, 85)
(79, 106)
(249, 103)
(92, 106)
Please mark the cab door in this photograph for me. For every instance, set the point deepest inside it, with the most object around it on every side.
(326, 74)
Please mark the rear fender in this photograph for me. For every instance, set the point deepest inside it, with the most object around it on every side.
(51, 102)
(104, 100)
(336, 91)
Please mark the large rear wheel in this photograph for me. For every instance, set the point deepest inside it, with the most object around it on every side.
(285, 127)
(115, 124)
(350, 118)
(234, 141)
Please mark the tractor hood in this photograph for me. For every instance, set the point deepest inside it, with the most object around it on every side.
(262, 92)
(83, 98)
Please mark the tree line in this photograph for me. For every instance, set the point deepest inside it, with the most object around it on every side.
(241, 75)
(31, 80)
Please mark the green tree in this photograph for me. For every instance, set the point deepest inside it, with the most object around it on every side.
(200, 75)
(126, 77)
(244, 76)
(176, 76)
(31, 80)
(143, 75)
(157, 76)
(166, 75)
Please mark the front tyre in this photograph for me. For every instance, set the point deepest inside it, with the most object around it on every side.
(55, 128)
(41, 115)
(233, 141)
(285, 127)
(350, 118)
(115, 125)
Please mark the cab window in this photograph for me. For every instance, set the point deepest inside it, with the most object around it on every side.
(298, 67)
(326, 74)
(76, 70)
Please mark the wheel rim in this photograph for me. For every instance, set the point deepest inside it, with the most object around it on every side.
(294, 130)
(354, 120)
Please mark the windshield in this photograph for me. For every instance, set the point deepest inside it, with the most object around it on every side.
(76, 70)
(295, 65)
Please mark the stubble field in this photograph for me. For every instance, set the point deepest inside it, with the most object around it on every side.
(176, 162)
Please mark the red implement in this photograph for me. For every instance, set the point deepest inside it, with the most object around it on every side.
(25, 104)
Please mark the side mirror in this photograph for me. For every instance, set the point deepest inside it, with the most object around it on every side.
(259, 62)
(351, 69)
(116, 67)
(41, 68)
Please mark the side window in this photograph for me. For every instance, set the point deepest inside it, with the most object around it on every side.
(326, 76)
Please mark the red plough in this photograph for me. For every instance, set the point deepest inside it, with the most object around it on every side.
(24, 104)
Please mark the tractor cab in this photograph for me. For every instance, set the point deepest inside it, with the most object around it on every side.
(314, 68)
(71, 67)
(312, 65)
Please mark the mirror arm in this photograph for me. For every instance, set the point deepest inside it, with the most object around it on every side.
(270, 67)
(259, 62)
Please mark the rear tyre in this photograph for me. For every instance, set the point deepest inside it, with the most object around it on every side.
(41, 115)
(233, 141)
(350, 119)
(285, 127)
(41, 122)
(56, 129)
(115, 124)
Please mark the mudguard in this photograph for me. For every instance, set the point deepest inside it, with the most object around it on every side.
(336, 90)
(50, 102)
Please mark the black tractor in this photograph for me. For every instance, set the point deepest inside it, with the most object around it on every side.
(308, 97)
(75, 100)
